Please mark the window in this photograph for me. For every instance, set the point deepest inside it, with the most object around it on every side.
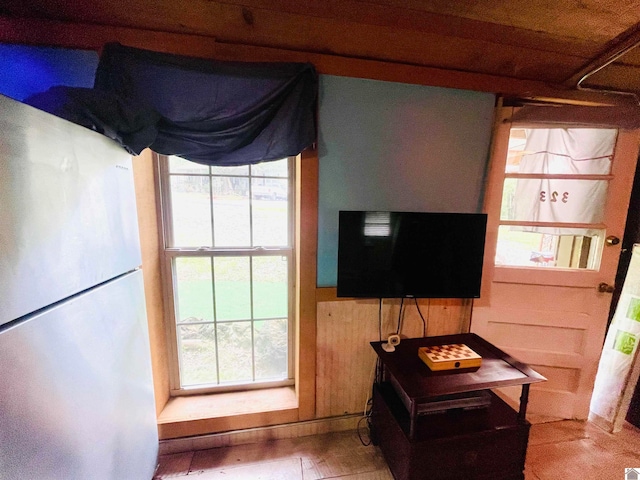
(229, 258)
(555, 186)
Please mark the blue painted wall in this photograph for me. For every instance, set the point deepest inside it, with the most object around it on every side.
(25, 70)
(394, 146)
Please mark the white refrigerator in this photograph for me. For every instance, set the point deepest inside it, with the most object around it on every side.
(76, 393)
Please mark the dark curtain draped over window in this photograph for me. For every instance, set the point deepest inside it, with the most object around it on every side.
(133, 127)
(216, 113)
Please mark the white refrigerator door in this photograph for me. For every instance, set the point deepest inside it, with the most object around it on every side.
(76, 401)
(67, 210)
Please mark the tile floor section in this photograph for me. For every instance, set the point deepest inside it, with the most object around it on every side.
(557, 451)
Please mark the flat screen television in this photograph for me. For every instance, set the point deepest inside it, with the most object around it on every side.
(410, 254)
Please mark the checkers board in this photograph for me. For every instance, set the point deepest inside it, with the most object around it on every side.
(449, 357)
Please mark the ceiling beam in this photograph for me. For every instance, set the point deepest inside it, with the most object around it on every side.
(76, 35)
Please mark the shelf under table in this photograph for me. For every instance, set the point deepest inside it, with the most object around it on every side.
(488, 444)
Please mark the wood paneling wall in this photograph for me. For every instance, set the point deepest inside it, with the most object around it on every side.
(345, 362)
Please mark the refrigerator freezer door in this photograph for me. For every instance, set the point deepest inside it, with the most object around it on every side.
(67, 210)
(77, 400)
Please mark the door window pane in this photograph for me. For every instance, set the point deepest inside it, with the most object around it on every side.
(575, 151)
(553, 200)
(549, 247)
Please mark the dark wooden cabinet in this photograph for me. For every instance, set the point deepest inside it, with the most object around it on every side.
(489, 442)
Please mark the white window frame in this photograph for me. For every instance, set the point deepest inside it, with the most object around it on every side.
(169, 254)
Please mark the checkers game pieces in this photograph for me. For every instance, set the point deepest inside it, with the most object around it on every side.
(449, 357)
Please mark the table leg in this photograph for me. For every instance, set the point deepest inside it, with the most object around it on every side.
(413, 416)
(524, 399)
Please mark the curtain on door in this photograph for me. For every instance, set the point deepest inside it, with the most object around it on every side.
(557, 152)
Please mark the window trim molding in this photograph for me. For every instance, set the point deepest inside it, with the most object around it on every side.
(166, 273)
(306, 305)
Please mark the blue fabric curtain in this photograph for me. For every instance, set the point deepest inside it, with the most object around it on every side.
(133, 127)
(212, 112)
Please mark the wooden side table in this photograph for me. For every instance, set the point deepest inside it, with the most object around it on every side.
(454, 442)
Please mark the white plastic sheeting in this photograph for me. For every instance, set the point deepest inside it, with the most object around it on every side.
(619, 352)
(564, 151)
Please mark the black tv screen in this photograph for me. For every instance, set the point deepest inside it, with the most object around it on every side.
(409, 254)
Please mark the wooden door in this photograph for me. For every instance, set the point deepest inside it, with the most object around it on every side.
(554, 208)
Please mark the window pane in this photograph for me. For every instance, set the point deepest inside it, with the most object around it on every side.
(233, 288)
(241, 170)
(277, 168)
(517, 140)
(553, 200)
(197, 354)
(270, 287)
(180, 165)
(271, 349)
(227, 187)
(549, 247)
(575, 151)
(269, 188)
(194, 299)
(236, 359)
(190, 211)
(270, 212)
(231, 212)
(507, 210)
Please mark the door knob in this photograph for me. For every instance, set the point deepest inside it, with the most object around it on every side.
(612, 240)
(605, 287)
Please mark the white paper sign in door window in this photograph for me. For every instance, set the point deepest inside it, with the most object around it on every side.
(567, 152)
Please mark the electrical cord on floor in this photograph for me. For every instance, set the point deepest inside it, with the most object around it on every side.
(366, 417)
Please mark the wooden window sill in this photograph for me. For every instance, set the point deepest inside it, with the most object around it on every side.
(186, 416)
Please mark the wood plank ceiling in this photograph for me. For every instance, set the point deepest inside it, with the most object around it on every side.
(552, 41)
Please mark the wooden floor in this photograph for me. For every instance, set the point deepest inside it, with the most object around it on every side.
(557, 451)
